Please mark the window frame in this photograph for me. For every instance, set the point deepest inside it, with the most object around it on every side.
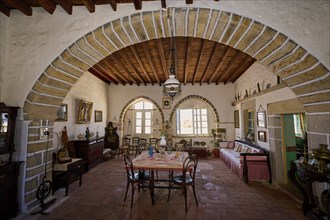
(144, 111)
(196, 121)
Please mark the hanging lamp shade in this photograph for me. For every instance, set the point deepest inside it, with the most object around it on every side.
(172, 86)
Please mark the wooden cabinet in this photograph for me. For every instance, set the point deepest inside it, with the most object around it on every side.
(91, 150)
(9, 170)
(7, 129)
(8, 190)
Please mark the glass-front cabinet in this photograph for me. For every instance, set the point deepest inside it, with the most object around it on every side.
(7, 129)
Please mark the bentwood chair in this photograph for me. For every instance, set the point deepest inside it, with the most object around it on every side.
(153, 142)
(187, 178)
(124, 147)
(135, 179)
(134, 145)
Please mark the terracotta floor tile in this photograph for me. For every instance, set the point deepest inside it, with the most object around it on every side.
(220, 193)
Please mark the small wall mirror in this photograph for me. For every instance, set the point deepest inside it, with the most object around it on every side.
(261, 119)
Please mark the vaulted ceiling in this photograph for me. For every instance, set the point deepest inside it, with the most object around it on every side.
(197, 61)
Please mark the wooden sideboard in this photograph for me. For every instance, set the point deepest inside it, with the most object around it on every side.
(8, 190)
(91, 150)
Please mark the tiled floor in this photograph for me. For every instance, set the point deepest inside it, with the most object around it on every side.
(221, 195)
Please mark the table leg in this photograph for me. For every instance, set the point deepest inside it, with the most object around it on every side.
(151, 187)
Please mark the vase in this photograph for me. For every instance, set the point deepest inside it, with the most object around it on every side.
(162, 141)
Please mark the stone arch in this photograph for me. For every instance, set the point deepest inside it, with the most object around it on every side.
(125, 108)
(298, 69)
(216, 115)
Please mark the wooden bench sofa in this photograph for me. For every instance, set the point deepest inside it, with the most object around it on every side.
(247, 161)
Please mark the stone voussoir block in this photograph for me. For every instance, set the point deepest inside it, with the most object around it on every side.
(101, 37)
(263, 39)
(148, 23)
(65, 67)
(312, 74)
(203, 17)
(69, 58)
(36, 112)
(82, 55)
(51, 71)
(96, 45)
(250, 36)
(38, 87)
(230, 28)
(40, 98)
(45, 80)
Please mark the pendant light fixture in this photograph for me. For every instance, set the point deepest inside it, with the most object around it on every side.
(172, 86)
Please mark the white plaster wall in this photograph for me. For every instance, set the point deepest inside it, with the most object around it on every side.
(221, 96)
(255, 74)
(29, 44)
(90, 89)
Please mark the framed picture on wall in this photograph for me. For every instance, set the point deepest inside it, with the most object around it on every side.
(98, 116)
(84, 112)
(261, 119)
(262, 136)
(62, 113)
(166, 103)
(236, 119)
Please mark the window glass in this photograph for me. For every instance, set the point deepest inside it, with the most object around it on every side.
(192, 122)
(143, 117)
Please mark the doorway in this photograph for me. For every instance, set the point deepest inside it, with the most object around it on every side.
(294, 145)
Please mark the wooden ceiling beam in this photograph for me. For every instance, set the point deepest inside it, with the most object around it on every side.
(215, 48)
(20, 5)
(113, 4)
(4, 9)
(66, 5)
(107, 68)
(100, 75)
(137, 4)
(148, 56)
(223, 58)
(199, 61)
(89, 4)
(230, 67)
(48, 5)
(120, 62)
(126, 60)
(188, 52)
(162, 57)
(163, 4)
(240, 71)
(113, 68)
(138, 59)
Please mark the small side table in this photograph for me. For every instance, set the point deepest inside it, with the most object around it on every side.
(67, 173)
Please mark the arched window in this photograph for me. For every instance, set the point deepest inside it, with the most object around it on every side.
(193, 118)
(143, 117)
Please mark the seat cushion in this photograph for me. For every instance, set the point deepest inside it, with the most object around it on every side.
(142, 175)
(179, 179)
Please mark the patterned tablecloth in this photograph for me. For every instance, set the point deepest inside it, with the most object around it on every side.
(172, 161)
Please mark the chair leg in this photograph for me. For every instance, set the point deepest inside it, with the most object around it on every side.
(169, 190)
(185, 197)
(132, 195)
(126, 190)
(193, 186)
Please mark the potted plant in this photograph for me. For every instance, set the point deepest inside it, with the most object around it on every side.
(215, 143)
